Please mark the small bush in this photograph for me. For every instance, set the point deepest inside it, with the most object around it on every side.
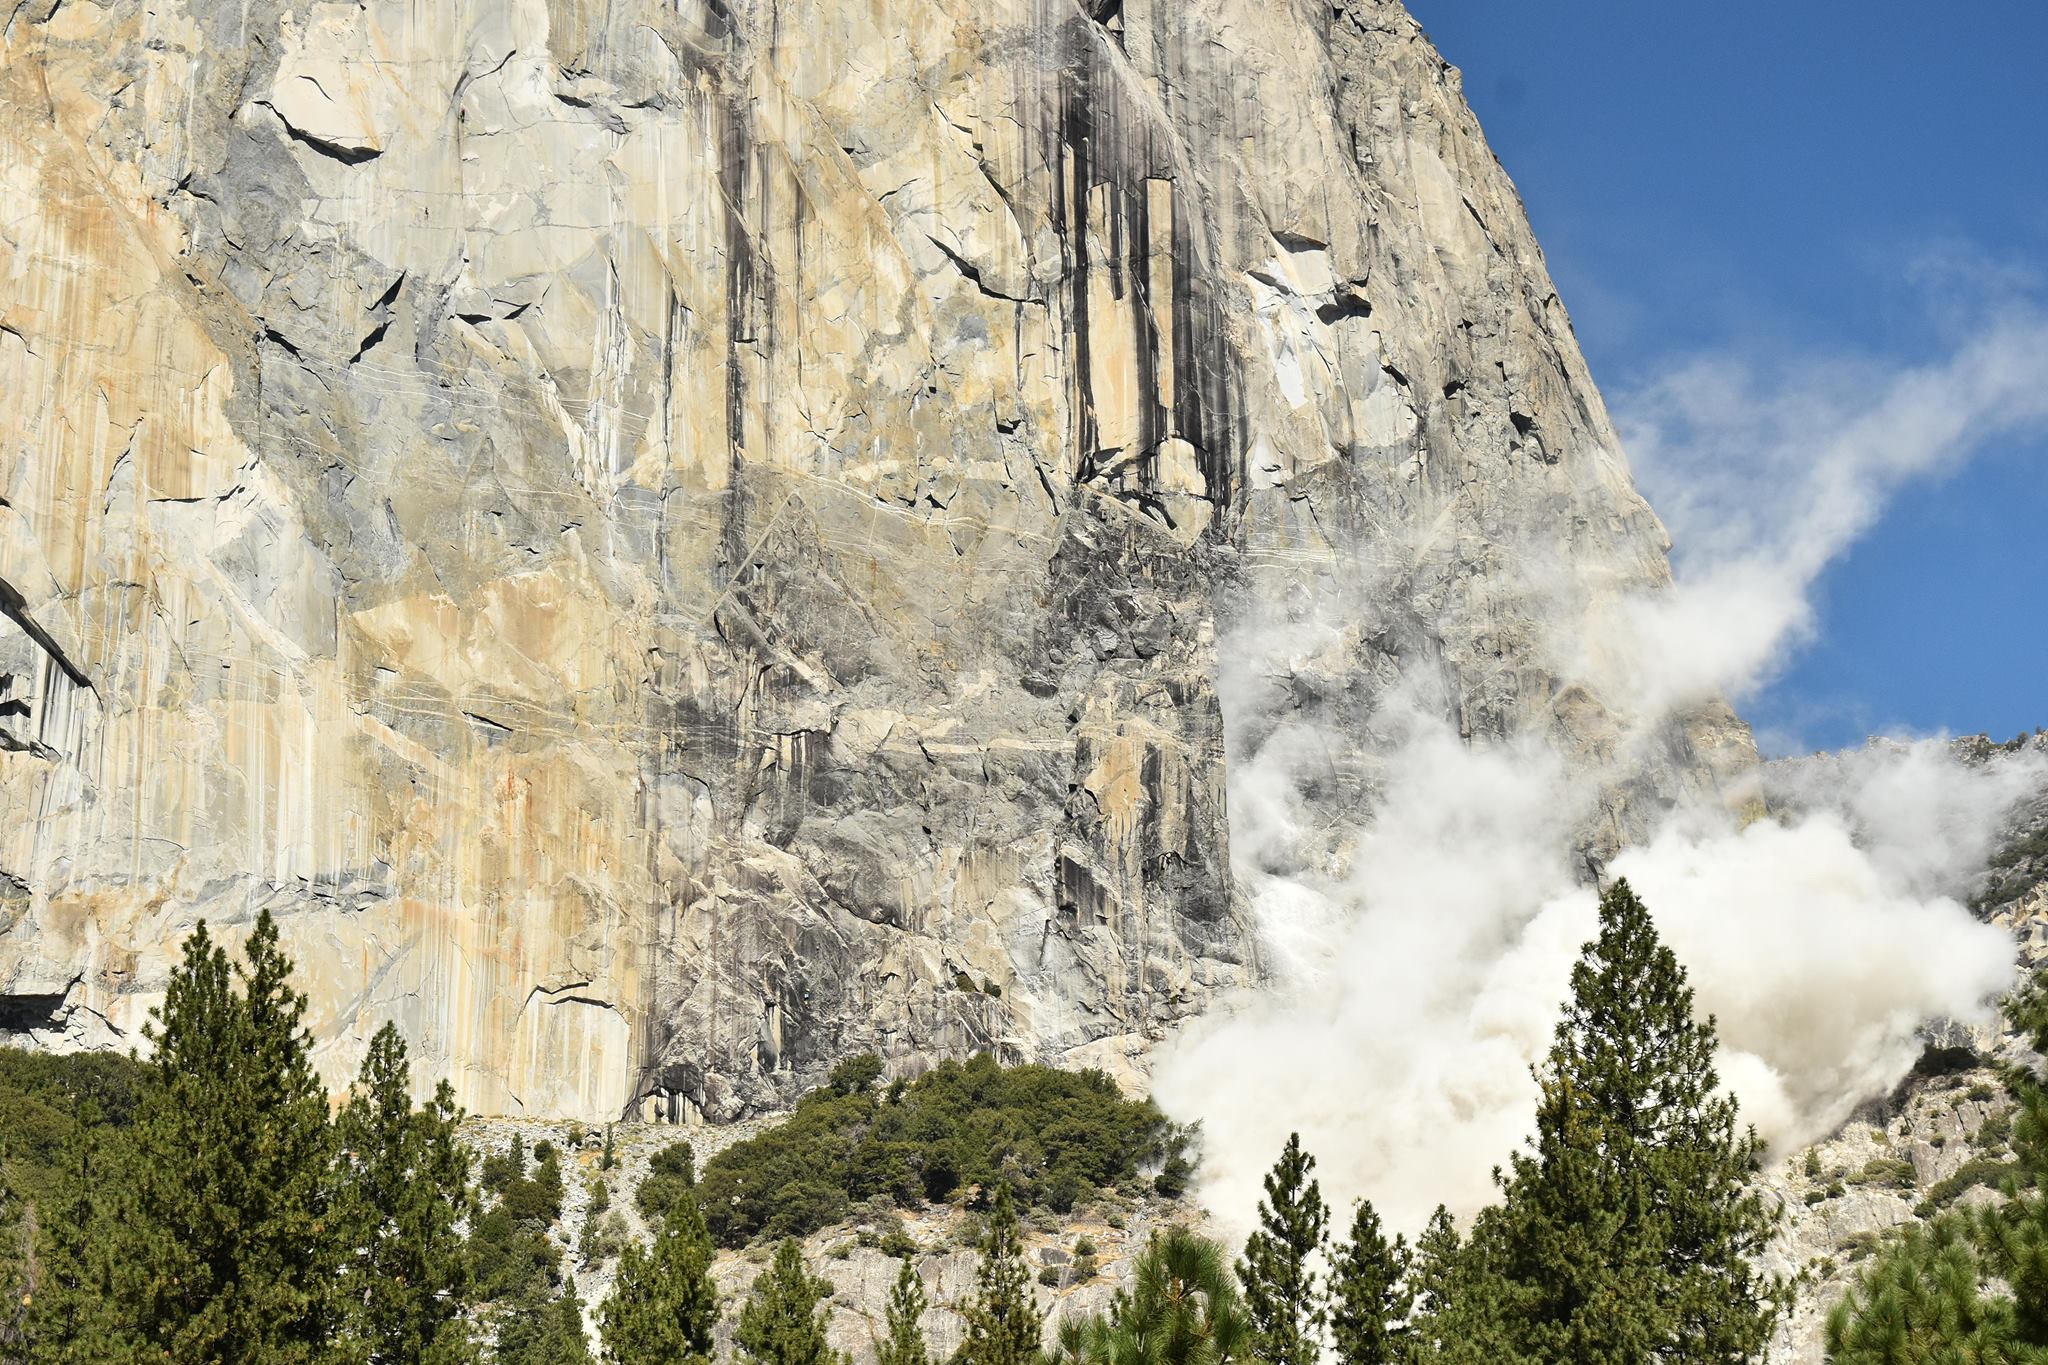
(1085, 1268)
(603, 1238)
(1980, 1091)
(671, 1175)
(1979, 1170)
(537, 1199)
(1050, 1277)
(856, 1075)
(1884, 1170)
(1084, 1246)
(889, 1237)
(1813, 1163)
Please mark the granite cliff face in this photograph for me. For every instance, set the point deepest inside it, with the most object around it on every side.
(671, 540)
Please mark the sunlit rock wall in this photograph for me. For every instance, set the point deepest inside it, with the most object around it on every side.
(669, 541)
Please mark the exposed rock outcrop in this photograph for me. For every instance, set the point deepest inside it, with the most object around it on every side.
(670, 542)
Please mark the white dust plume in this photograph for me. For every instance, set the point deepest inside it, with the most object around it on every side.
(1421, 945)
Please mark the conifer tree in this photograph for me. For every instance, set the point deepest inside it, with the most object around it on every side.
(783, 1322)
(905, 1342)
(1627, 1234)
(226, 1254)
(75, 1317)
(1369, 1297)
(542, 1327)
(663, 1305)
(1433, 1265)
(1180, 1308)
(17, 1294)
(1924, 1300)
(1282, 1293)
(1003, 1321)
(405, 1193)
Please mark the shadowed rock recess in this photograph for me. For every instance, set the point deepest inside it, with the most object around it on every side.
(669, 541)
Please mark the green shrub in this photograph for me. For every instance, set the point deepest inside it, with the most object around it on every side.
(1084, 1246)
(1050, 1277)
(890, 1237)
(502, 1168)
(1884, 1170)
(538, 1198)
(1978, 1170)
(671, 1175)
(603, 1238)
(1054, 1137)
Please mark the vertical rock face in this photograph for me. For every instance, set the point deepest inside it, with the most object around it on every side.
(670, 540)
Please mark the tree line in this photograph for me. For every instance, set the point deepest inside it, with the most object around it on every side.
(234, 1216)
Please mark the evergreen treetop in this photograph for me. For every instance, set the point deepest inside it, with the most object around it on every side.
(904, 1340)
(664, 1305)
(783, 1322)
(1282, 1293)
(1627, 1234)
(225, 1252)
(1003, 1320)
(1369, 1295)
(405, 1195)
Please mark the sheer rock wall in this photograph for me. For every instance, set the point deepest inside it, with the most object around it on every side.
(672, 540)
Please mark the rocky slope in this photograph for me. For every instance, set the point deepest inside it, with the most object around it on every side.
(857, 1257)
(1936, 1141)
(672, 540)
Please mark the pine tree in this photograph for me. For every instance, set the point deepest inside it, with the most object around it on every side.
(542, 1326)
(405, 1194)
(75, 1317)
(227, 1255)
(1180, 1308)
(17, 1287)
(1369, 1297)
(905, 1343)
(1627, 1234)
(783, 1322)
(1924, 1300)
(663, 1305)
(1281, 1289)
(1003, 1321)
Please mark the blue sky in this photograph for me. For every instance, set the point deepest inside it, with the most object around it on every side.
(1792, 186)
